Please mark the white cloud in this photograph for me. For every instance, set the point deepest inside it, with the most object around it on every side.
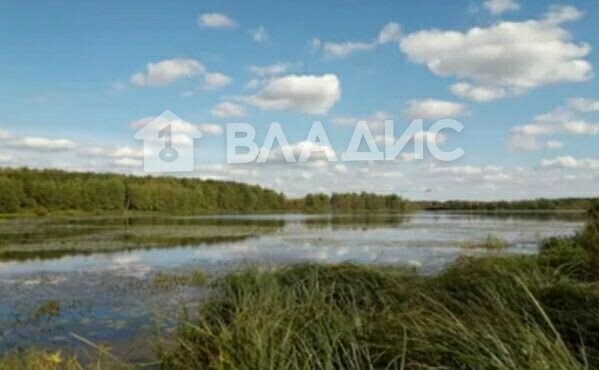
(581, 128)
(254, 83)
(127, 162)
(265, 73)
(564, 120)
(167, 71)
(269, 70)
(210, 128)
(391, 32)
(570, 162)
(341, 49)
(517, 56)
(554, 144)
(524, 142)
(376, 121)
(434, 109)
(560, 14)
(5, 158)
(228, 110)
(497, 7)
(584, 104)
(424, 136)
(214, 81)
(43, 144)
(319, 152)
(259, 34)
(477, 93)
(112, 152)
(302, 93)
(180, 128)
(469, 173)
(6, 135)
(216, 20)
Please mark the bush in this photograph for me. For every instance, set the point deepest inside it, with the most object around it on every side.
(11, 195)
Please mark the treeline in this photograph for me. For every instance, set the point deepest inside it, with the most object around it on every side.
(43, 191)
(519, 205)
(350, 202)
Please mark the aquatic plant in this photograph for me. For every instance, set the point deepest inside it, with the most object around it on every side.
(490, 242)
(166, 280)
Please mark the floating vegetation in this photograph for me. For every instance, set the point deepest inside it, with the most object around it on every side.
(166, 280)
(48, 309)
(24, 239)
(490, 242)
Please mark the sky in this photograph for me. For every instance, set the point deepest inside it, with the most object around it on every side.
(78, 79)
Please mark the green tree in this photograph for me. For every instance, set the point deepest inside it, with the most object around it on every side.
(11, 195)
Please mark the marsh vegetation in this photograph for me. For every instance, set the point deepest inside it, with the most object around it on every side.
(491, 312)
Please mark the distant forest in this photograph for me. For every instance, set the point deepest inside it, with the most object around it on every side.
(517, 205)
(45, 191)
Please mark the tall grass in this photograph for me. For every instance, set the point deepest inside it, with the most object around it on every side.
(355, 317)
(510, 312)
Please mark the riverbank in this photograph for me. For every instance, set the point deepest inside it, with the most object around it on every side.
(501, 312)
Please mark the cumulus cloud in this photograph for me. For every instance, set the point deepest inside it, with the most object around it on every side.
(167, 71)
(210, 128)
(301, 93)
(391, 32)
(376, 121)
(554, 144)
(43, 144)
(6, 135)
(515, 56)
(466, 170)
(434, 109)
(570, 162)
(216, 20)
(112, 152)
(127, 162)
(228, 110)
(497, 7)
(478, 94)
(584, 104)
(265, 73)
(564, 120)
(215, 81)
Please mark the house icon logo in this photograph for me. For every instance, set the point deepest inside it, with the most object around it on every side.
(168, 144)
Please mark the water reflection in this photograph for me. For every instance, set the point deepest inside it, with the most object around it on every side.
(387, 238)
(104, 294)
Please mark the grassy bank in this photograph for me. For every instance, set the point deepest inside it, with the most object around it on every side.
(518, 312)
(487, 313)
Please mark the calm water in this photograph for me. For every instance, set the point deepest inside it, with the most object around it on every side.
(107, 297)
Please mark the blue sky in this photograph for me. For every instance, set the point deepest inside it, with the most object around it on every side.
(69, 93)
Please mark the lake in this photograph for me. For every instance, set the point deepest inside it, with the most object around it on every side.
(93, 277)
